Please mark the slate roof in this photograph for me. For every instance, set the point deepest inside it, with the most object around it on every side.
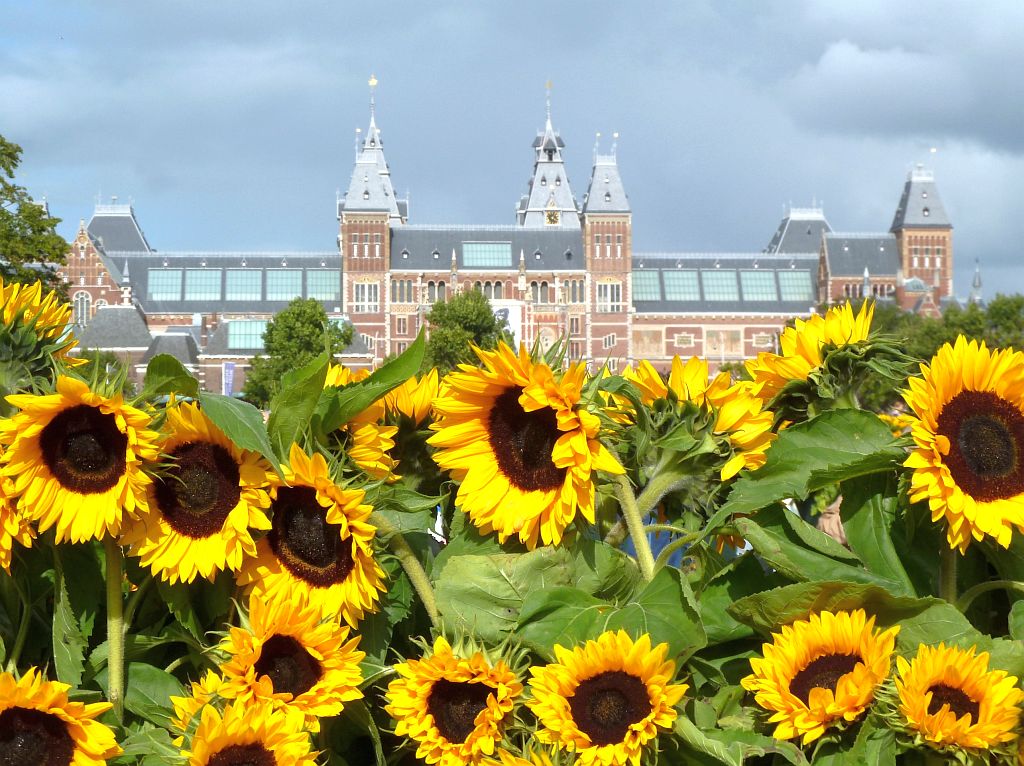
(142, 267)
(606, 194)
(799, 232)
(690, 282)
(182, 346)
(114, 229)
(370, 187)
(116, 327)
(920, 205)
(413, 247)
(549, 186)
(848, 254)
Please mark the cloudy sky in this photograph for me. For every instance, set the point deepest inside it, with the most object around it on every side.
(230, 125)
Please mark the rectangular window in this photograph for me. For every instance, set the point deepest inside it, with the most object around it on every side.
(355, 246)
(795, 286)
(609, 297)
(646, 286)
(758, 286)
(487, 255)
(376, 245)
(597, 245)
(720, 285)
(574, 325)
(608, 341)
(685, 340)
(400, 348)
(244, 285)
(366, 298)
(246, 334)
(202, 284)
(284, 284)
(164, 285)
(366, 245)
(323, 284)
(369, 340)
(681, 285)
(618, 245)
(763, 340)
(575, 350)
(402, 326)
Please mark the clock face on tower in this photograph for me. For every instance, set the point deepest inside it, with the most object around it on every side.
(552, 217)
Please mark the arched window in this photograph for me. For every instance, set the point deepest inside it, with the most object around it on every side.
(442, 290)
(82, 303)
(497, 289)
(431, 292)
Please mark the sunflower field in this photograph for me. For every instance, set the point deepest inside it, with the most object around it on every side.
(522, 563)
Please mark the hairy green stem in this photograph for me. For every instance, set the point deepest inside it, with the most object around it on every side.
(115, 627)
(947, 574)
(617, 534)
(26, 620)
(672, 547)
(411, 564)
(972, 593)
(134, 601)
(635, 522)
(660, 485)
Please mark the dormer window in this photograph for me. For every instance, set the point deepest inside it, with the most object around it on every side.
(536, 254)
(558, 181)
(366, 194)
(405, 253)
(926, 212)
(607, 196)
(543, 181)
(436, 254)
(924, 194)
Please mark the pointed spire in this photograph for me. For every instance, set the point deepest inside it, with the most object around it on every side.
(124, 274)
(373, 88)
(865, 290)
(975, 296)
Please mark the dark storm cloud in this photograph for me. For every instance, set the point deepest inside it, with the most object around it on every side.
(232, 124)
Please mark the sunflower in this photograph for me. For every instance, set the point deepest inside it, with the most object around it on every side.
(39, 725)
(950, 698)
(44, 313)
(204, 691)
(413, 399)
(290, 657)
(201, 510)
(820, 670)
(969, 434)
(606, 700)
(369, 440)
(14, 527)
(320, 545)
(739, 413)
(802, 344)
(454, 708)
(250, 734)
(76, 459)
(521, 445)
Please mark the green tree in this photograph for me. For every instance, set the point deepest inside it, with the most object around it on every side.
(293, 337)
(464, 319)
(30, 247)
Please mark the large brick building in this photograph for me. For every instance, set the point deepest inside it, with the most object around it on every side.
(560, 268)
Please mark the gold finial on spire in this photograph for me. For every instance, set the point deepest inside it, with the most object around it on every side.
(373, 81)
(548, 85)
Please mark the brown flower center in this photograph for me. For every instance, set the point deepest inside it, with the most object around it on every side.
(523, 441)
(291, 668)
(306, 544)
(957, 700)
(34, 738)
(200, 490)
(242, 755)
(605, 706)
(84, 449)
(986, 444)
(822, 673)
(455, 706)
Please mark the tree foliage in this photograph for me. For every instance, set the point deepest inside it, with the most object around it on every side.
(293, 337)
(464, 319)
(30, 247)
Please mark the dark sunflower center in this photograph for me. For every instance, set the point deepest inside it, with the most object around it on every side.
(822, 673)
(34, 738)
(605, 706)
(455, 706)
(200, 490)
(306, 544)
(986, 444)
(522, 443)
(242, 755)
(957, 700)
(84, 449)
(291, 668)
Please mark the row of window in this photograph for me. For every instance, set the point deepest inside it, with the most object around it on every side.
(361, 246)
(243, 284)
(606, 241)
(722, 285)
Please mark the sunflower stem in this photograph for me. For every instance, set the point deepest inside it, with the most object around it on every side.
(617, 534)
(947, 574)
(635, 523)
(411, 564)
(26, 620)
(672, 547)
(134, 601)
(972, 593)
(115, 627)
(662, 483)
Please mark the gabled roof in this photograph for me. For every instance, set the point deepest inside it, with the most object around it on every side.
(606, 194)
(114, 229)
(920, 206)
(846, 255)
(490, 248)
(182, 346)
(800, 231)
(121, 327)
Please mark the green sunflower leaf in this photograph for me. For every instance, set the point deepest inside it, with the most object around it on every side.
(148, 691)
(69, 644)
(293, 406)
(166, 375)
(869, 511)
(833, 447)
(241, 423)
